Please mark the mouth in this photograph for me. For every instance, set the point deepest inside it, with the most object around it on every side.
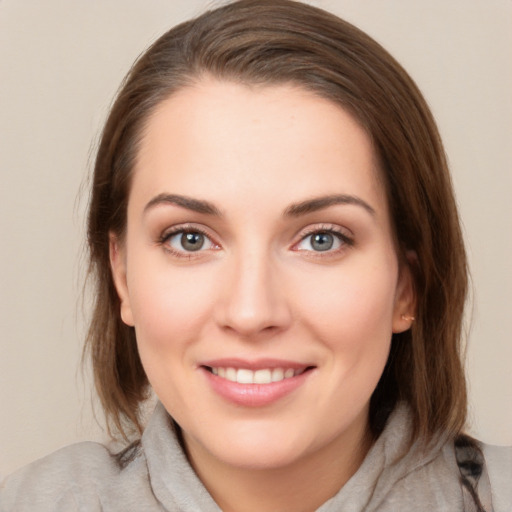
(260, 376)
(255, 384)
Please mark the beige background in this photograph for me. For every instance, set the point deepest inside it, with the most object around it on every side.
(60, 64)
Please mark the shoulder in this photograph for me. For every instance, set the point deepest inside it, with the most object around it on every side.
(498, 460)
(73, 478)
(486, 471)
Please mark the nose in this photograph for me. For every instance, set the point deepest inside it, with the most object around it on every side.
(253, 297)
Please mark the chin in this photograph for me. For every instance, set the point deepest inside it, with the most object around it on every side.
(255, 447)
(257, 457)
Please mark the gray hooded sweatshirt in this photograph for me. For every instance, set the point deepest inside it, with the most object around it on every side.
(155, 475)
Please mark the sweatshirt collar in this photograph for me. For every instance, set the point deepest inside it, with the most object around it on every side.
(177, 487)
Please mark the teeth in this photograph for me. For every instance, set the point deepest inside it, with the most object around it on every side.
(231, 374)
(288, 373)
(242, 376)
(277, 374)
(264, 376)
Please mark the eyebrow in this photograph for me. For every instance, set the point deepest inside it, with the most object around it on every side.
(195, 205)
(319, 203)
(294, 210)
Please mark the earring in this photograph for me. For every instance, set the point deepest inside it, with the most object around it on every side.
(408, 318)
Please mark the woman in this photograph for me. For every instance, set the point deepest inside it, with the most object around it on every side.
(278, 257)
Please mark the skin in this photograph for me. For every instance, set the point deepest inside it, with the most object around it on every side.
(258, 288)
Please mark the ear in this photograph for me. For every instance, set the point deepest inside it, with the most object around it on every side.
(405, 297)
(118, 267)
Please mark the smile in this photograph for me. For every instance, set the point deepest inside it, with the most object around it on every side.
(255, 384)
(261, 376)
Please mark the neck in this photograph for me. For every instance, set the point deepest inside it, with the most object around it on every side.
(301, 486)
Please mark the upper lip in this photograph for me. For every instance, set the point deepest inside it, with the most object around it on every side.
(257, 364)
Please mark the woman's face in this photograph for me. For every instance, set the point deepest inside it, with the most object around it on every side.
(259, 272)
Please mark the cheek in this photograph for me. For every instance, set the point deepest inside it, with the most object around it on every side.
(169, 305)
(360, 295)
(352, 310)
(351, 315)
(170, 312)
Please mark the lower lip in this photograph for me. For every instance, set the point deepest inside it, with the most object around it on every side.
(254, 395)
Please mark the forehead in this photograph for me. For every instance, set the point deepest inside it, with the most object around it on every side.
(222, 140)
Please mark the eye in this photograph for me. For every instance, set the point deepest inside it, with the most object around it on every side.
(187, 241)
(323, 241)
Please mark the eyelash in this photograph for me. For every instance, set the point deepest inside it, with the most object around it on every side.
(345, 240)
(183, 229)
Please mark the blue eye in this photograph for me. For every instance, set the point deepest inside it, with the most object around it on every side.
(321, 241)
(188, 241)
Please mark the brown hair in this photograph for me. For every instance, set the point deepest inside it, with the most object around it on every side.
(280, 41)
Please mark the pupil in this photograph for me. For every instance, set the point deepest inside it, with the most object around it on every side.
(192, 241)
(322, 241)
